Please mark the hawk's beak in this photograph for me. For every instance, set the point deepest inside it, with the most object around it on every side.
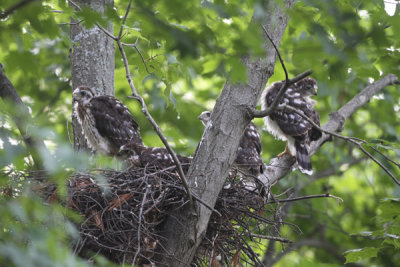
(74, 99)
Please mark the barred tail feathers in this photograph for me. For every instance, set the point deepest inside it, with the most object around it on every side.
(303, 159)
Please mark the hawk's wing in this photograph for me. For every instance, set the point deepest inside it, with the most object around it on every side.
(114, 121)
(291, 123)
(160, 157)
(315, 134)
(249, 151)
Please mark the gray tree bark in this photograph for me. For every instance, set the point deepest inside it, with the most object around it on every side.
(92, 59)
(185, 230)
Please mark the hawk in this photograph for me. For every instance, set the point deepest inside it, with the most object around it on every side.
(288, 126)
(138, 155)
(248, 156)
(106, 123)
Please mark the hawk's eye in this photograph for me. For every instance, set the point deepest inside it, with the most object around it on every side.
(82, 93)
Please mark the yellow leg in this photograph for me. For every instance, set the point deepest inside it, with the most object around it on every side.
(286, 151)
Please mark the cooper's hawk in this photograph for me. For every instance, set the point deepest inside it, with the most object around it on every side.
(286, 125)
(106, 123)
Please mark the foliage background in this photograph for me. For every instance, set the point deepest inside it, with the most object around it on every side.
(190, 48)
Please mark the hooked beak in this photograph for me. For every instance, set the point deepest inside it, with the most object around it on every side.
(315, 89)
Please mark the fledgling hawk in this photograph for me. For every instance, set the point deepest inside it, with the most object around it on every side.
(286, 125)
(106, 123)
(138, 155)
(248, 156)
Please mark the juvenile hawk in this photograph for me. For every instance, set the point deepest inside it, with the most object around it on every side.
(106, 123)
(287, 125)
(248, 156)
(138, 155)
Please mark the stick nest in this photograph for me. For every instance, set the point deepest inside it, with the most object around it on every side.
(123, 210)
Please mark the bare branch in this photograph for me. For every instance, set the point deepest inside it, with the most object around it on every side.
(109, 34)
(338, 199)
(140, 225)
(277, 52)
(383, 155)
(275, 238)
(140, 54)
(74, 4)
(14, 7)
(124, 20)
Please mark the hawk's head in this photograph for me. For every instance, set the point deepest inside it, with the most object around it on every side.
(82, 94)
(205, 117)
(306, 87)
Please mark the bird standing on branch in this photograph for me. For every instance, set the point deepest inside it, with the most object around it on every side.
(106, 123)
(288, 126)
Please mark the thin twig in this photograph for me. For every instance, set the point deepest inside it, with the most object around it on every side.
(124, 20)
(338, 199)
(151, 58)
(14, 7)
(277, 52)
(275, 238)
(140, 54)
(75, 5)
(69, 137)
(383, 155)
(139, 225)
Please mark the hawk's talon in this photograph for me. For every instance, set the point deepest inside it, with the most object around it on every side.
(285, 152)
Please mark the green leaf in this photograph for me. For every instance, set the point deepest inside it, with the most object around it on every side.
(355, 255)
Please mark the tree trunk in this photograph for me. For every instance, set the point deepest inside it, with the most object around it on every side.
(185, 230)
(92, 60)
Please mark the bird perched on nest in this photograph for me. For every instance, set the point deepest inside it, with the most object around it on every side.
(248, 156)
(289, 126)
(138, 155)
(106, 123)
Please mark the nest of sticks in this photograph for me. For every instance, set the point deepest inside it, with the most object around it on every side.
(122, 212)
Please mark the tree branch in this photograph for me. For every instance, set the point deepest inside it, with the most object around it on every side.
(14, 7)
(20, 117)
(338, 199)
